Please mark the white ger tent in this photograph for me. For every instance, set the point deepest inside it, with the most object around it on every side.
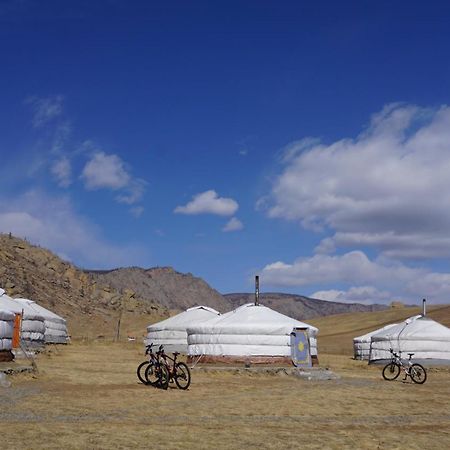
(251, 332)
(55, 326)
(32, 328)
(361, 344)
(6, 329)
(426, 338)
(172, 332)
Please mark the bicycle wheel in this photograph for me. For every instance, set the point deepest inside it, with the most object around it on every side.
(140, 371)
(182, 375)
(164, 376)
(391, 371)
(152, 374)
(418, 373)
(157, 375)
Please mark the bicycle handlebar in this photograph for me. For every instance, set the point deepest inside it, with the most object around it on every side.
(148, 348)
(397, 355)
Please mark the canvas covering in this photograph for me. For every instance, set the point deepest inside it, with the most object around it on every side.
(172, 332)
(361, 344)
(426, 338)
(55, 326)
(6, 329)
(249, 330)
(33, 326)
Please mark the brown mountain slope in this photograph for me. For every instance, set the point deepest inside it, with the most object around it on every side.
(93, 301)
(91, 307)
(164, 286)
(300, 307)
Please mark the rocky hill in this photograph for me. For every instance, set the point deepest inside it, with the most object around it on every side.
(174, 290)
(163, 286)
(91, 307)
(94, 301)
(298, 306)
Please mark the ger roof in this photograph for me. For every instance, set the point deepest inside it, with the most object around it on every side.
(14, 306)
(367, 336)
(251, 319)
(418, 327)
(47, 314)
(185, 318)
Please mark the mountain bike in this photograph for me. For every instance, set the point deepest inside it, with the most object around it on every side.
(415, 371)
(178, 371)
(153, 372)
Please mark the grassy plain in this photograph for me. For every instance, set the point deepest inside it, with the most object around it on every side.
(86, 396)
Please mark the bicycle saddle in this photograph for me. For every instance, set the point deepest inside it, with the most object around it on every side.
(176, 353)
(410, 354)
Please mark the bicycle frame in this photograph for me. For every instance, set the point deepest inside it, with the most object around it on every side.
(170, 365)
(178, 371)
(397, 359)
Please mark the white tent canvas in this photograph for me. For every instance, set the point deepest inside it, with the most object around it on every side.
(248, 331)
(426, 338)
(33, 327)
(6, 329)
(361, 344)
(172, 332)
(55, 326)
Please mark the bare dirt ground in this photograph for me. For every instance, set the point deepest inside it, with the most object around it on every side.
(87, 396)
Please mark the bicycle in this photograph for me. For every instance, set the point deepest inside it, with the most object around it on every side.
(177, 371)
(415, 371)
(155, 373)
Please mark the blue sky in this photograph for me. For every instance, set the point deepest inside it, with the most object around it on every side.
(306, 143)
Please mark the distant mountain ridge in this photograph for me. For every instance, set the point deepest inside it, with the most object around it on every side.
(175, 290)
(299, 306)
(94, 301)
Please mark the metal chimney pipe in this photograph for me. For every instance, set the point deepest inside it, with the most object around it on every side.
(424, 307)
(257, 290)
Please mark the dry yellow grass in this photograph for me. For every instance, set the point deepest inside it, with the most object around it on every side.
(87, 396)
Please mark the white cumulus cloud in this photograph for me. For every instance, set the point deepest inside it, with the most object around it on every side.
(104, 171)
(209, 202)
(109, 171)
(380, 279)
(361, 294)
(388, 188)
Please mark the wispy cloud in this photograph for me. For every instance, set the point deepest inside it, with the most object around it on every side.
(137, 211)
(45, 109)
(62, 157)
(52, 221)
(133, 192)
(234, 224)
(209, 202)
(61, 169)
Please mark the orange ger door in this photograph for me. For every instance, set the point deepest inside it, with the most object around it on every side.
(16, 333)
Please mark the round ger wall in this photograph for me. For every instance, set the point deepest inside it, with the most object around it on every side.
(6, 334)
(250, 334)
